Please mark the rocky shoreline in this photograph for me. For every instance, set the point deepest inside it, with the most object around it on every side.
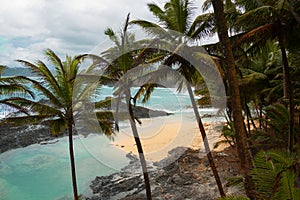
(188, 177)
(22, 136)
(184, 174)
(13, 137)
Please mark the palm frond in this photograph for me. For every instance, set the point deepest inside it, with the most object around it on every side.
(159, 13)
(56, 61)
(48, 94)
(261, 33)
(150, 27)
(15, 89)
(104, 103)
(207, 4)
(57, 126)
(15, 106)
(106, 122)
(202, 26)
(32, 106)
(112, 35)
(249, 4)
(23, 120)
(259, 16)
(274, 174)
(178, 13)
(49, 79)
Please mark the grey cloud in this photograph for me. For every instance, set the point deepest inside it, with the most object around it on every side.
(68, 27)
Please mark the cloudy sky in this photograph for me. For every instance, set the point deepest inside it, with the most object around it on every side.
(66, 26)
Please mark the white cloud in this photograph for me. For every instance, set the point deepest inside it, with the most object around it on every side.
(68, 27)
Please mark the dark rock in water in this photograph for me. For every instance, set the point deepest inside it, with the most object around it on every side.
(127, 182)
(22, 136)
(138, 111)
(141, 112)
(12, 137)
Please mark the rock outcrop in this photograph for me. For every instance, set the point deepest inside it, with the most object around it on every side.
(12, 137)
(188, 177)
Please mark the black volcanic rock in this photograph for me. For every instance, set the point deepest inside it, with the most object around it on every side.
(12, 137)
(186, 177)
(22, 136)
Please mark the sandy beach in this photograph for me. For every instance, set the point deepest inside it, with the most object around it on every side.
(162, 134)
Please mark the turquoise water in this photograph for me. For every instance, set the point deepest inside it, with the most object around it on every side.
(167, 99)
(42, 172)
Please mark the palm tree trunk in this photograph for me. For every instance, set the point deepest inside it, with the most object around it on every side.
(241, 138)
(248, 132)
(261, 125)
(139, 146)
(287, 86)
(72, 160)
(205, 141)
(250, 117)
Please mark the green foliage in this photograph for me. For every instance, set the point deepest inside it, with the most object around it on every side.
(275, 133)
(228, 133)
(252, 83)
(204, 101)
(235, 181)
(233, 198)
(61, 96)
(176, 16)
(278, 118)
(13, 86)
(275, 175)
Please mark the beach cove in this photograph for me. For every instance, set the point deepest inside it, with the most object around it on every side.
(95, 156)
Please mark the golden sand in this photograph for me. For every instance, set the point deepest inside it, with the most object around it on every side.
(162, 134)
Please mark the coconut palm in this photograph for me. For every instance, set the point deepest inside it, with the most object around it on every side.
(276, 175)
(174, 23)
(239, 126)
(276, 20)
(56, 108)
(125, 55)
(11, 85)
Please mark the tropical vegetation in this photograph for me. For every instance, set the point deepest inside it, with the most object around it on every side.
(59, 98)
(257, 57)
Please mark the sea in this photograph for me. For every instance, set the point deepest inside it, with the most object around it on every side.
(43, 171)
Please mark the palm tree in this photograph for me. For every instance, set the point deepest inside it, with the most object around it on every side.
(11, 85)
(118, 61)
(273, 20)
(276, 174)
(176, 17)
(56, 109)
(239, 126)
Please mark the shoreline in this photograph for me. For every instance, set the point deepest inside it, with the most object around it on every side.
(189, 176)
(178, 173)
(162, 134)
(165, 132)
(21, 136)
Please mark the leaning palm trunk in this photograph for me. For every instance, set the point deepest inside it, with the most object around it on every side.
(139, 146)
(239, 126)
(72, 160)
(205, 141)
